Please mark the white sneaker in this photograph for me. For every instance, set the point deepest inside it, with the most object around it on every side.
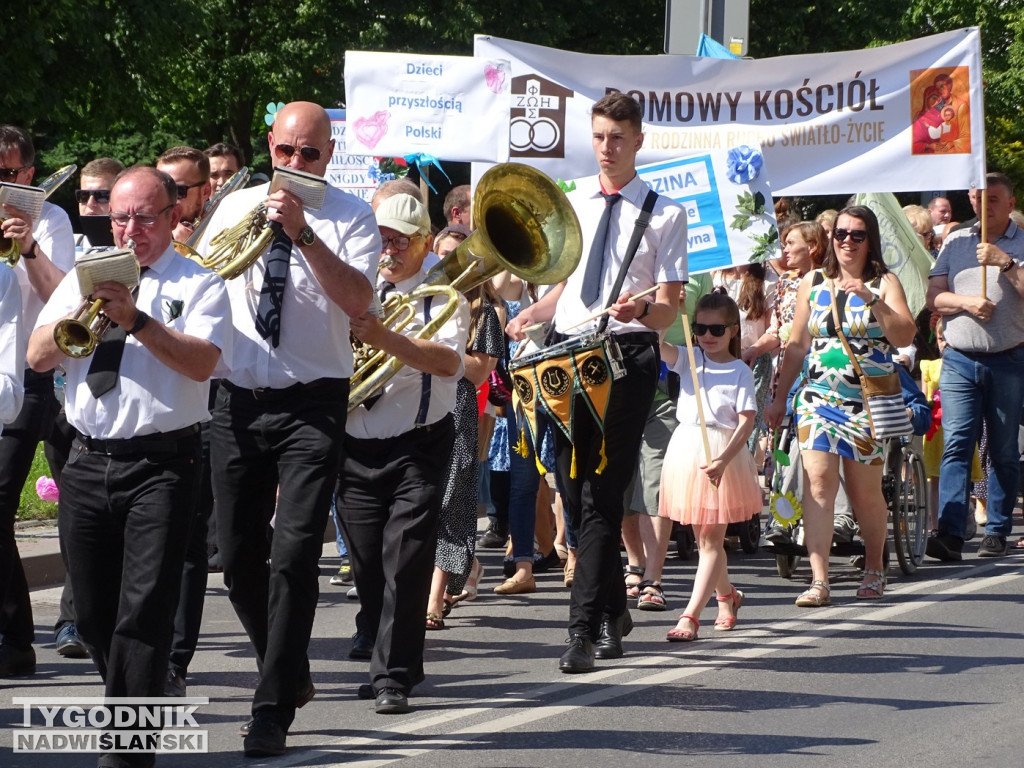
(352, 594)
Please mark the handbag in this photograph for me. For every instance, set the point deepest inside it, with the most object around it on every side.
(883, 395)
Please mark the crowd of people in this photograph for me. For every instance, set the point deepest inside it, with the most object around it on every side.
(219, 422)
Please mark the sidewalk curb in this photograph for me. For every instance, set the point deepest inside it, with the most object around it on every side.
(39, 548)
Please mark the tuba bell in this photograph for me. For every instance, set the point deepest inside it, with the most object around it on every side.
(10, 250)
(525, 224)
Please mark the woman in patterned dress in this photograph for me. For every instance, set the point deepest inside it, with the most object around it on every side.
(832, 421)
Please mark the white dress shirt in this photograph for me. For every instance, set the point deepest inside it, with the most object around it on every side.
(660, 258)
(12, 348)
(149, 396)
(395, 412)
(314, 341)
(52, 232)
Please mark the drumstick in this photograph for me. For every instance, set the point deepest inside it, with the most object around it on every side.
(598, 314)
(696, 387)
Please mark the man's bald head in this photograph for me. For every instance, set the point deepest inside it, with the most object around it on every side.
(299, 125)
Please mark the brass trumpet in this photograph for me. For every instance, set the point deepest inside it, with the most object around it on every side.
(10, 250)
(78, 335)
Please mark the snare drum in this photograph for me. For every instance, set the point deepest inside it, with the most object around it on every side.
(549, 379)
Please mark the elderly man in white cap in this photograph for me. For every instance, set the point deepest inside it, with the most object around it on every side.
(396, 452)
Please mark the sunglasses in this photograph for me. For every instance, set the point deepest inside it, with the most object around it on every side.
(856, 235)
(716, 329)
(10, 174)
(309, 154)
(184, 188)
(102, 196)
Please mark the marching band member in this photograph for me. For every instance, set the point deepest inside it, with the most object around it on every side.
(280, 414)
(12, 349)
(594, 489)
(190, 170)
(130, 483)
(396, 452)
(225, 161)
(47, 248)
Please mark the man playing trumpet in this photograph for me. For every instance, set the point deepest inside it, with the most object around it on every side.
(130, 483)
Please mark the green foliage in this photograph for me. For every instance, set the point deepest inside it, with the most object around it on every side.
(129, 79)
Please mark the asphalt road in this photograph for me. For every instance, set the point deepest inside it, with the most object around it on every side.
(933, 675)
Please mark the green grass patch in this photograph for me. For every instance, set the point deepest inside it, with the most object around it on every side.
(31, 506)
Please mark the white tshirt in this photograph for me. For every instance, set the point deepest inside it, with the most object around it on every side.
(149, 397)
(660, 257)
(395, 413)
(727, 390)
(52, 231)
(12, 348)
(314, 340)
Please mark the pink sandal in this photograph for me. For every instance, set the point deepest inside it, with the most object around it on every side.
(725, 623)
(678, 635)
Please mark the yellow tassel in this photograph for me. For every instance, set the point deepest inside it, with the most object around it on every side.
(521, 447)
(540, 467)
(604, 460)
(572, 467)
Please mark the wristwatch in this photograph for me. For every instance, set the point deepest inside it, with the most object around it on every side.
(31, 252)
(1007, 266)
(306, 236)
(141, 318)
(645, 311)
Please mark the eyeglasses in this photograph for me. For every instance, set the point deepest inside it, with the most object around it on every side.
(142, 219)
(717, 329)
(401, 242)
(856, 235)
(102, 196)
(10, 174)
(184, 188)
(309, 154)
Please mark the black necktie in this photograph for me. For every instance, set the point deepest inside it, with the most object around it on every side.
(595, 262)
(385, 288)
(106, 360)
(275, 275)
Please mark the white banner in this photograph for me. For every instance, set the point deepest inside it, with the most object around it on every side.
(903, 117)
(356, 174)
(451, 107)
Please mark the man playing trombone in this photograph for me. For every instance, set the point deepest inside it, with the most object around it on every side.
(129, 485)
(280, 415)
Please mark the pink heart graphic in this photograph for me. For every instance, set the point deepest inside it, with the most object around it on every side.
(371, 130)
(495, 77)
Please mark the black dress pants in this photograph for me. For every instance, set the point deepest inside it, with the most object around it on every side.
(595, 501)
(389, 500)
(17, 449)
(280, 447)
(124, 519)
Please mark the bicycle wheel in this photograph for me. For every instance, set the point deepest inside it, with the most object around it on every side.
(910, 514)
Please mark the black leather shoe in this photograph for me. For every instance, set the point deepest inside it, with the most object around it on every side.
(362, 647)
(391, 701)
(266, 737)
(609, 642)
(493, 538)
(945, 547)
(17, 662)
(365, 691)
(579, 657)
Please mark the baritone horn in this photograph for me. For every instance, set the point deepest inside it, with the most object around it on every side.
(10, 250)
(78, 335)
(526, 225)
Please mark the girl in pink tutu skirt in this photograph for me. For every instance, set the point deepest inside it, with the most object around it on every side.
(694, 491)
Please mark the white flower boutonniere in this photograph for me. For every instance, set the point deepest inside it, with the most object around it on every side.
(174, 308)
